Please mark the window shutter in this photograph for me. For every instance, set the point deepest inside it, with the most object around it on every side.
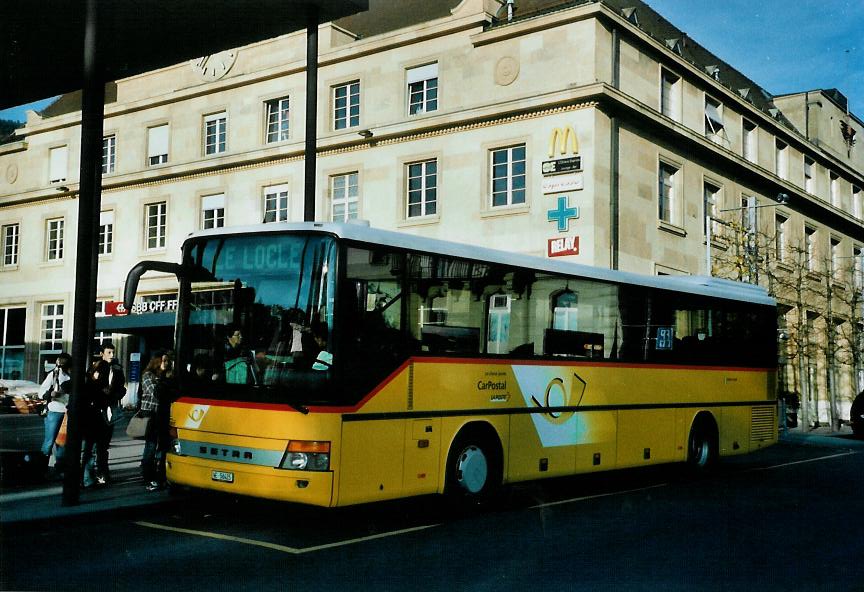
(213, 202)
(58, 163)
(423, 73)
(157, 143)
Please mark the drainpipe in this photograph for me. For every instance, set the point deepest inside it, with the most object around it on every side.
(311, 117)
(614, 157)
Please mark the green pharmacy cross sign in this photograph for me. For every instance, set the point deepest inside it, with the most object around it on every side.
(562, 214)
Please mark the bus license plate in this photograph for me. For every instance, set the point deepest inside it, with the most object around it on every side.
(223, 476)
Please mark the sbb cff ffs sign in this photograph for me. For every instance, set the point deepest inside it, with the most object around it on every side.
(113, 308)
(559, 247)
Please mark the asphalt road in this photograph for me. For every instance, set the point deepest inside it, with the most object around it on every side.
(785, 518)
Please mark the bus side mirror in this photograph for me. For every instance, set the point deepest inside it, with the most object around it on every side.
(131, 287)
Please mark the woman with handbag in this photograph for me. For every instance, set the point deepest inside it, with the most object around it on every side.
(149, 411)
(55, 390)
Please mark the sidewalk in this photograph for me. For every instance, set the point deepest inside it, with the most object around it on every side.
(822, 436)
(42, 501)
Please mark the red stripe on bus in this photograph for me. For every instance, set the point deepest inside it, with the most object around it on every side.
(583, 364)
(424, 360)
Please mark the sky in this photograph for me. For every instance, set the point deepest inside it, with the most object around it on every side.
(784, 46)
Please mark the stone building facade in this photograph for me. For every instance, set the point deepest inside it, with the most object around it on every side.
(593, 131)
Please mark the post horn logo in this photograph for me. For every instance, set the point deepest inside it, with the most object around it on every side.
(196, 414)
(563, 138)
(555, 398)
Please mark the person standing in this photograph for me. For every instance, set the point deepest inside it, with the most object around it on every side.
(55, 390)
(149, 408)
(106, 387)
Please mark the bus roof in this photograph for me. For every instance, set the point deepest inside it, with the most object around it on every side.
(702, 285)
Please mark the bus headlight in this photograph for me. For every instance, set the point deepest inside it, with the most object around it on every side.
(306, 455)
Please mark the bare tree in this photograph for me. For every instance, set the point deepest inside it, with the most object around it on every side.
(806, 289)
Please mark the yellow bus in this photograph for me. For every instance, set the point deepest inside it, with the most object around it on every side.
(336, 364)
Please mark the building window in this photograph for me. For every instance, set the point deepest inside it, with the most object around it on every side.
(215, 133)
(213, 211)
(54, 239)
(276, 203)
(670, 95)
(565, 311)
(667, 199)
(750, 144)
(422, 188)
(781, 159)
(810, 247)
(344, 193)
(11, 240)
(277, 119)
(109, 154)
(346, 105)
(780, 236)
(12, 323)
(422, 89)
(507, 176)
(106, 232)
(714, 129)
(809, 185)
(835, 190)
(858, 267)
(710, 200)
(100, 337)
(157, 144)
(155, 225)
(857, 203)
(836, 271)
(51, 334)
(58, 164)
(52, 327)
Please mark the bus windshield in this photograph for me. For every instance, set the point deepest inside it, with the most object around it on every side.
(259, 320)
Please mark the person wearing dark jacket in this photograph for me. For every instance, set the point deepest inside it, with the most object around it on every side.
(105, 387)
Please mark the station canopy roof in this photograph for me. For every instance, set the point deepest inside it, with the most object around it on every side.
(41, 41)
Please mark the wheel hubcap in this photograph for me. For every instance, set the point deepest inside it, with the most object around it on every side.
(472, 470)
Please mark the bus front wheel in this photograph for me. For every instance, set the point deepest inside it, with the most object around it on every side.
(473, 467)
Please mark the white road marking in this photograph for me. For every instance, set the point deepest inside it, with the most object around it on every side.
(599, 495)
(283, 548)
(798, 462)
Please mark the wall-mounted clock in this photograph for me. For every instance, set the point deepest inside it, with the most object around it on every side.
(215, 66)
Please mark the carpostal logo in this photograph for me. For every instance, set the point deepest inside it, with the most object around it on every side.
(494, 385)
(544, 388)
(195, 416)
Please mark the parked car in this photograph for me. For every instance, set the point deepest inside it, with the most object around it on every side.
(21, 431)
(856, 415)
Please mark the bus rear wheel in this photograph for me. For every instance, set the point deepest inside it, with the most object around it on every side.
(702, 445)
(473, 467)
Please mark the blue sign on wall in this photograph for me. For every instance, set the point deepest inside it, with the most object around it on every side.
(562, 214)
